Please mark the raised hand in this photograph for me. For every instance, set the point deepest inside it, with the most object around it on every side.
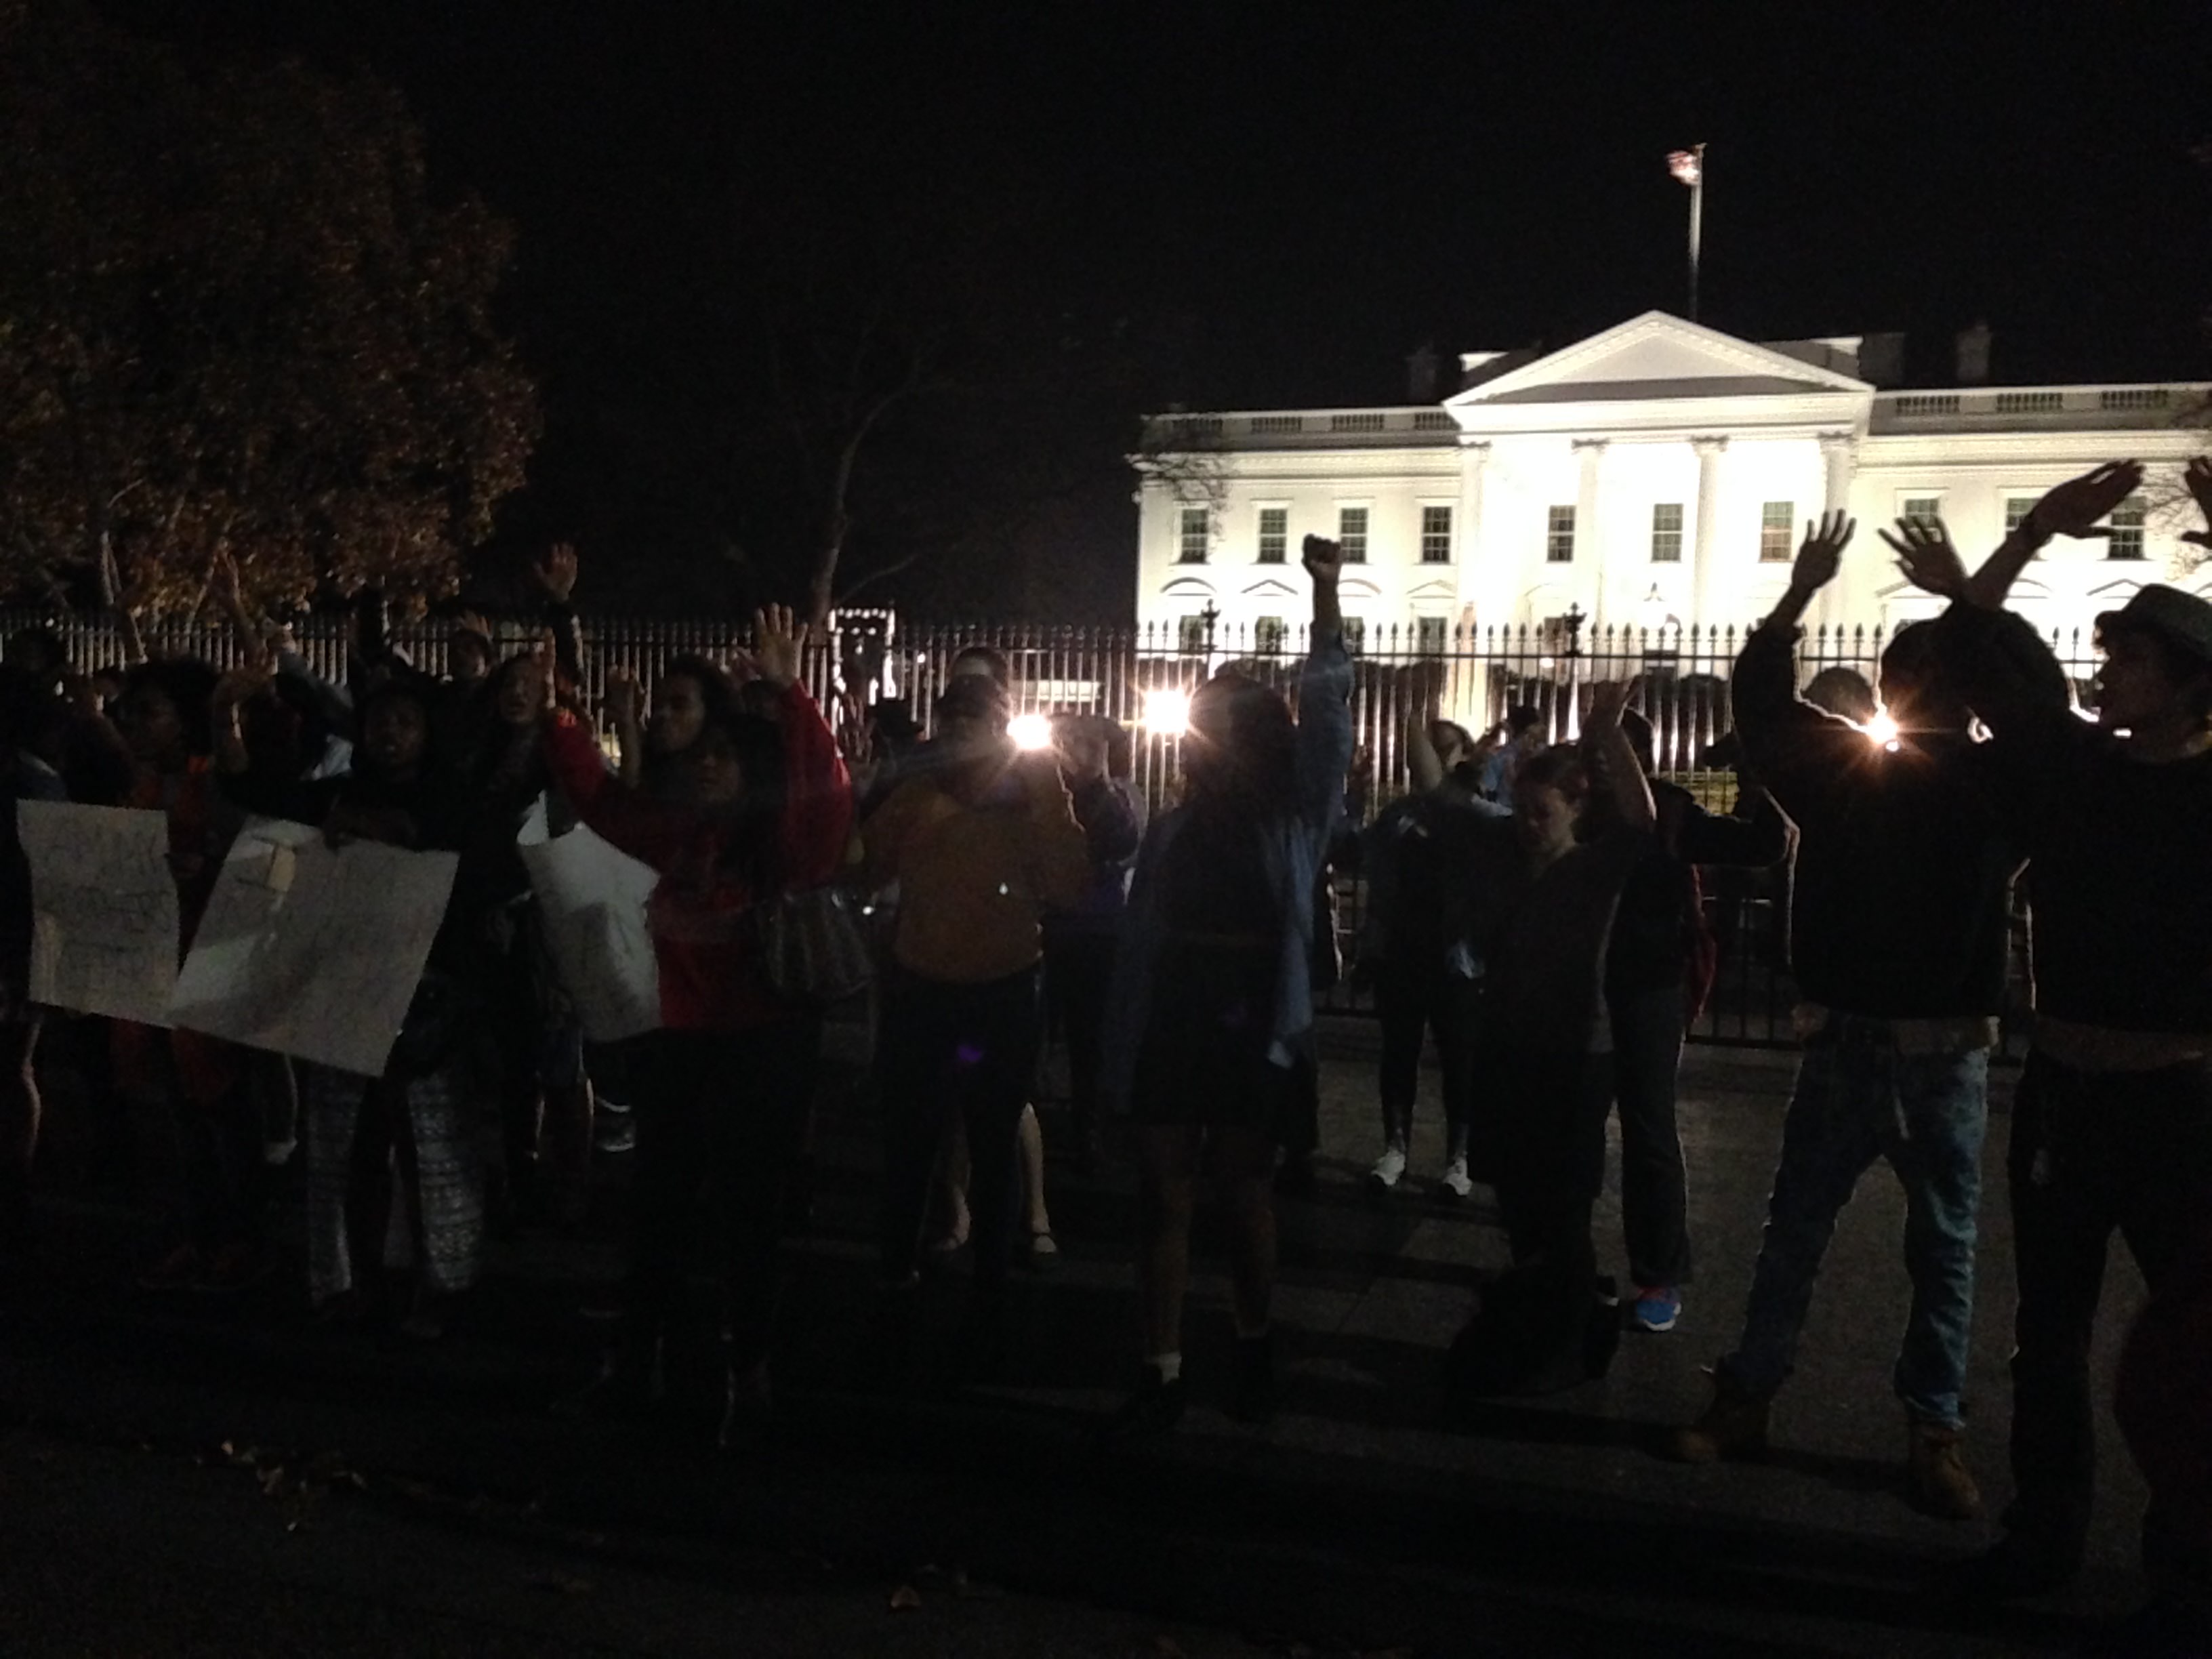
(2073, 508)
(622, 697)
(1925, 555)
(1323, 559)
(2197, 474)
(779, 641)
(556, 571)
(1820, 555)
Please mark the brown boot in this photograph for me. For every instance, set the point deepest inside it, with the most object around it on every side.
(1733, 1427)
(1943, 1485)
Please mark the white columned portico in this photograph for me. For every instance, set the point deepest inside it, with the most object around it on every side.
(1590, 535)
(1705, 586)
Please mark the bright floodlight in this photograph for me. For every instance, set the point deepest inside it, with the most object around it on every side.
(1882, 728)
(1167, 714)
(1029, 732)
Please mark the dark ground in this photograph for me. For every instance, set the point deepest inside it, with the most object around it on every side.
(375, 1499)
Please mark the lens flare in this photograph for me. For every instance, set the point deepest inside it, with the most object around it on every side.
(1882, 729)
(1031, 731)
(1167, 714)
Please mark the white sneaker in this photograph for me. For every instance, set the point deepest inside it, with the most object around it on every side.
(1455, 1181)
(1389, 1168)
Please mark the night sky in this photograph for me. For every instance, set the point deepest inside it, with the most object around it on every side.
(1280, 203)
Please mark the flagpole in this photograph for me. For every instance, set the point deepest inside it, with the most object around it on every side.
(1697, 223)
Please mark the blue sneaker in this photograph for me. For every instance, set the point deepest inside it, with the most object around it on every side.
(1657, 1308)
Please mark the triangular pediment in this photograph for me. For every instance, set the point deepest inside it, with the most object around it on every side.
(1657, 356)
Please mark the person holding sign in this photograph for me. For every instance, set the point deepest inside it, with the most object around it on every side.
(417, 1115)
(734, 809)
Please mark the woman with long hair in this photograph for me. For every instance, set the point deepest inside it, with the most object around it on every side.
(734, 810)
(1210, 1017)
(1550, 880)
(415, 1119)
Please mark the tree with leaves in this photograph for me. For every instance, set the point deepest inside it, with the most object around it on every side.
(233, 321)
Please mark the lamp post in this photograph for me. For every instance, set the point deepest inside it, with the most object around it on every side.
(1574, 620)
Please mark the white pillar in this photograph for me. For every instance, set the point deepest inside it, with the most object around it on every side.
(1838, 458)
(1839, 452)
(1477, 582)
(1590, 542)
(1705, 583)
(1466, 697)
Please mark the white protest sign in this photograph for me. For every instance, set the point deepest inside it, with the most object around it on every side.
(104, 925)
(313, 951)
(593, 897)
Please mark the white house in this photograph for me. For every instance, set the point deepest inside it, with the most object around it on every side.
(1657, 474)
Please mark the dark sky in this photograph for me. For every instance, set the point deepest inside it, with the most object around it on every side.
(1298, 195)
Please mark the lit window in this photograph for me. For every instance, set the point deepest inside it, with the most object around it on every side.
(1274, 534)
(1667, 533)
(2126, 541)
(1194, 632)
(1355, 635)
(1436, 535)
(1191, 535)
(1352, 533)
(1267, 636)
(1776, 521)
(1429, 636)
(1560, 536)
(2017, 507)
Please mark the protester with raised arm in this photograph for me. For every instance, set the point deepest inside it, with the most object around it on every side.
(982, 843)
(1898, 934)
(417, 1116)
(2113, 1120)
(1659, 967)
(1417, 945)
(1210, 1020)
(737, 810)
(1548, 882)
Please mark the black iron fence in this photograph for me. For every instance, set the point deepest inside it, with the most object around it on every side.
(1143, 678)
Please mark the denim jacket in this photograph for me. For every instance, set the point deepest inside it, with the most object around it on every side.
(1294, 848)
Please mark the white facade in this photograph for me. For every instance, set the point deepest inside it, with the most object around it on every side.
(1659, 473)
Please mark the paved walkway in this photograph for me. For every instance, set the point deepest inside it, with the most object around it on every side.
(1358, 1518)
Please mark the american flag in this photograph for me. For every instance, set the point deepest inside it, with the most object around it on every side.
(1684, 165)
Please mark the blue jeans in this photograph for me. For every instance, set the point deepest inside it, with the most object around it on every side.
(1857, 1098)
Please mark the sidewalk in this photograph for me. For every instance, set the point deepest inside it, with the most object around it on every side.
(1357, 1517)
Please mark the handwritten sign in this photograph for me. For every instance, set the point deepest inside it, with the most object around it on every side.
(104, 926)
(593, 896)
(313, 951)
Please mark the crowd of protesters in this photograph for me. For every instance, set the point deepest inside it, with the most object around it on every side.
(1540, 908)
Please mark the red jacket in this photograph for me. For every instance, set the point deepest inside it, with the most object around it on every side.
(710, 979)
